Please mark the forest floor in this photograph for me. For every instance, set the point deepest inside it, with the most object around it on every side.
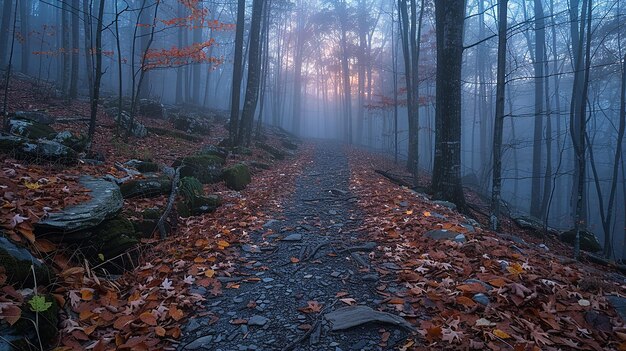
(319, 252)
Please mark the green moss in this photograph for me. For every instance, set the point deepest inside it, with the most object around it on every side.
(206, 168)
(146, 187)
(30, 129)
(588, 241)
(113, 237)
(151, 213)
(237, 177)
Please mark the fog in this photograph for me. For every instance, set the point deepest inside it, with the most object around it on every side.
(338, 70)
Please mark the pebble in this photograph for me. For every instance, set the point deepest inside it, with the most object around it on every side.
(267, 280)
(335, 274)
(200, 342)
(257, 320)
(293, 237)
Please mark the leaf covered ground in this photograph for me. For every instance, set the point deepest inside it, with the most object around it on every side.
(538, 300)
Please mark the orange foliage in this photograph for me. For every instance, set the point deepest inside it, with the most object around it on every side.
(175, 56)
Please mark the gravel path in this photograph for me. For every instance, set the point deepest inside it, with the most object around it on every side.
(285, 308)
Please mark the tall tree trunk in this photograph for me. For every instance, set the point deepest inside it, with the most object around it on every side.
(25, 29)
(97, 77)
(237, 72)
(538, 64)
(75, 49)
(65, 47)
(499, 120)
(362, 63)
(446, 179)
(87, 23)
(297, 64)
(408, 77)
(345, 68)
(4, 31)
(196, 67)
(254, 75)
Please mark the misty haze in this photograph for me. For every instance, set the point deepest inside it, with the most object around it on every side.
(312, 175)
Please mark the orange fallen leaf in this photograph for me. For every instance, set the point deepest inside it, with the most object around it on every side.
(159, 331)
(148, 318)
(501, 334)
(294, 260)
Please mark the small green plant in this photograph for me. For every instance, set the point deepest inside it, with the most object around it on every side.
(39, 304)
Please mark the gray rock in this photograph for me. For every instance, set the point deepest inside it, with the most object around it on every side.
(17, 262)
(138, 130)
(200, 343)
(460, 238)
(257, 320)
(352, 316)
(147, 187)
(105, 203)
(30, 129)
(293, 237)
(37, 150)
(34, 116)
(447, 204)
(442, 234)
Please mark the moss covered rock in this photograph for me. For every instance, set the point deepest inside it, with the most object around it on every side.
(237, 177)
(149, 187)
(275, 152)
(215, 151)
(37, 150)
(74, 142)
(114, 237)
(588, 240)
(206, 168)
(147, 167)
(30, 129)
(198, 205)
(17, 263)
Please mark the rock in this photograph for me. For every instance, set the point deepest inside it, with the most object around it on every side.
(588, 240)
(138, 130)
(237, 177)
(148, 187)
(200, 343)
(206, 168)
(619, 304)
(293, 237)
(599, 321)
(460, 238)
(514, 238)
(146, 226)
(17, 263)
(481, 299)
(276, 153)
(198, 205)
(192, 124)
(34, 116)
(113, 237)
(37, 150)
(105, 203)
(443, 234)
(70, 140)
(215, 151)
(447, 204)
(29, 129)
(257, 320)
(152, 109)
(352, 316)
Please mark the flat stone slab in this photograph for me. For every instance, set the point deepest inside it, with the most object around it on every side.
(293, 237)
(353, 316)
(619, 304)
(443, 234)
(105, 203)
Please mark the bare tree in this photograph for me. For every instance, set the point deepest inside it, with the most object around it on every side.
(237, 72)
(499, 119)
(446, 179)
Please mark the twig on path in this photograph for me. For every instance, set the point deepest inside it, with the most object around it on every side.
(315, 250)
(365, 247)
(170, 204)
(319, 318)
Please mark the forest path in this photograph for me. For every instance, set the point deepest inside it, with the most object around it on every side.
(300, 270)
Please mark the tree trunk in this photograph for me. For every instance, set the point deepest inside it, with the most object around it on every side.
(538, 64)
(4, 31)
(75, 49)
(65, 47)
(88, 58)
(345, 68)
(499, 119)
(446, 179)
(254, 75)
(98, 76)
(237, 72)
(25, 6)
